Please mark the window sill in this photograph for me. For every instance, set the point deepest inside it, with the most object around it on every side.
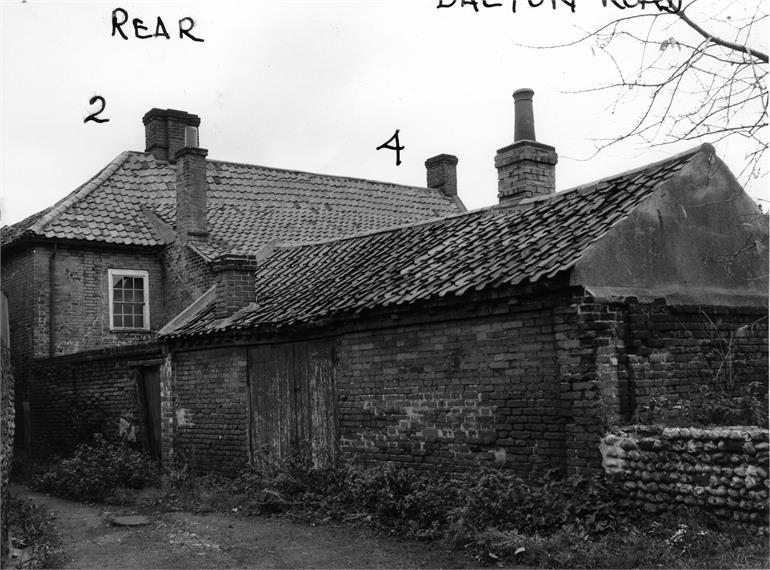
(133, 331)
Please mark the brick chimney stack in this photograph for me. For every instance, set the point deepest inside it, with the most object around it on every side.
(191, 189)
(235, 283)
(442, 173)
(164, 131)
(527, 168)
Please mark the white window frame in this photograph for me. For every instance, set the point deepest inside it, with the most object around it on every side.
(117, 273)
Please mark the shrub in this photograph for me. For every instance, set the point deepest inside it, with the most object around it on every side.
(96, 469)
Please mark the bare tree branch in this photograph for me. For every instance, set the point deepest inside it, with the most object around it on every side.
(719, 41)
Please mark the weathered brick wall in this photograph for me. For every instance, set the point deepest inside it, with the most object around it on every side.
(615, 356)
(19, 285)
(723, 470)
(589, 346)
(75, 396)
(210, 409)
(81, 298)
(458, 392)
(187, 277)
(675, 350)
(525, 382)
(6, 434)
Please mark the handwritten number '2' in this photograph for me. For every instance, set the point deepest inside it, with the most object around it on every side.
(94, 116)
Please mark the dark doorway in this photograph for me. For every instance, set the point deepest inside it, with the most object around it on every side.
(150, 386)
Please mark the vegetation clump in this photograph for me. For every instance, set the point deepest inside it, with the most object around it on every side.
(96, 470)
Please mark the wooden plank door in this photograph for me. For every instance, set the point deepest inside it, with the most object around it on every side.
(322, 404)
(151, 388)
(293, 403)
(271, 380)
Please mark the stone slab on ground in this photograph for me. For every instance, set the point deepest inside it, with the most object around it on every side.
(130, 520)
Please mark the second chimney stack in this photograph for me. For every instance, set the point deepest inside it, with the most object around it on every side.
(442, 173)
(192, 189)
(527, 168)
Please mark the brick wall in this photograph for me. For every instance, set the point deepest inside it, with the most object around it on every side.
(6, 436)
(74, 396)
(210, 409)
(458, 392)
(186, 277)
(81, 299)
(613, 357)
(675, 350)
(526, 380)
(18, 283)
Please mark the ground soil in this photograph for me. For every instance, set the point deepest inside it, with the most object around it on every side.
(186, 540)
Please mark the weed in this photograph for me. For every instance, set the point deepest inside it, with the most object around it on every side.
(96, 470)
(34, 541)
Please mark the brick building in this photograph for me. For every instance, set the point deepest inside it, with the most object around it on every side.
(92, 279)
(324, 316)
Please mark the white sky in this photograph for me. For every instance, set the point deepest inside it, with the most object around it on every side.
(313, 86)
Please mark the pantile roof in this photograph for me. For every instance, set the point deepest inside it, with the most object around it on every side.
(485, 248)
(248, 206)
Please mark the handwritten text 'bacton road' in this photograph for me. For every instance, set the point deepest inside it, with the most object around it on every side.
(120, 19)
(671, 6)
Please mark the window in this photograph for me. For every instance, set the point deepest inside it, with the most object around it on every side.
(129, 299)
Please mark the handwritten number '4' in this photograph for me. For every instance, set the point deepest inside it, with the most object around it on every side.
(94, 116)
(398, 148)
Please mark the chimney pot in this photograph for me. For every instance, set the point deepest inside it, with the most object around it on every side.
(524, 117)
(441, 172)
(191, 137)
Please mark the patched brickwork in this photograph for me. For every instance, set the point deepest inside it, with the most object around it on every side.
(455, 393)
(210, 409)
(528, 382)
(724, 470)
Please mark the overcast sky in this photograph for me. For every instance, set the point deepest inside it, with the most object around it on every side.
(309, 85)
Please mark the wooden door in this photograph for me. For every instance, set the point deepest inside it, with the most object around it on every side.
(293, 403)
(151, 389)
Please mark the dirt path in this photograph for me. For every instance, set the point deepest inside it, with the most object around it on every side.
(185, 540)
